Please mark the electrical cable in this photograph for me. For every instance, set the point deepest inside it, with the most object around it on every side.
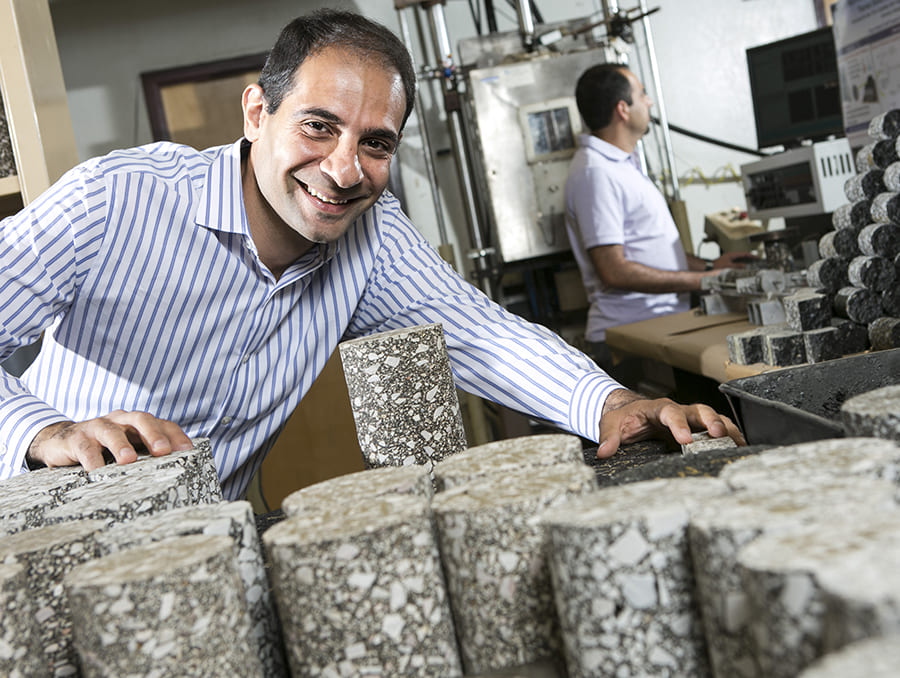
(491, 16)
(711, 140)
(475, 11)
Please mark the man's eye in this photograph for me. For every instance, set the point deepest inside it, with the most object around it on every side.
(378, 146)
(316, 127)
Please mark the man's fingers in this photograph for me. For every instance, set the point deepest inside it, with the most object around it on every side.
(119, 432)
(158, 437)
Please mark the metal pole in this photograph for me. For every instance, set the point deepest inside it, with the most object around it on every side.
(660, 102)
(452, 106)
(426, 139)
(526, 24)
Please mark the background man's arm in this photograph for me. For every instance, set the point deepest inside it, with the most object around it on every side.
(616, 271)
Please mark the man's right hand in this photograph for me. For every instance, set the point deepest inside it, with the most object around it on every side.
(68, 443)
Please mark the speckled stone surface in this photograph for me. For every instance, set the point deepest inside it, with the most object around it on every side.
(851, 214)
(874, 413)
(745, 348)
(885, 210)
(864, 186)
(817, 461)
(623, 580)
(26, 497)
(414, 480)
(852, 337)
(493, 550)
(7, 159)
(780, 575)
(873, 273)
(784, 348)
(702, 442)
(505, 456)
(123, 498)
(858, 304)
(174, 607)
(48, 554)
(862, 592)
(722, 526)
(199, 477)
(884, 333)
(403, 397)
(822, 344)
(232, 519)
(807, 309)
(891, 176)
(828, 274)
(873, 658)
(890, 299)
(839, 243)
(360, 591)
(881, 240)
(20, 652)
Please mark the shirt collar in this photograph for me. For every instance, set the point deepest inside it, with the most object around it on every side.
(221, 205)
(608, 150)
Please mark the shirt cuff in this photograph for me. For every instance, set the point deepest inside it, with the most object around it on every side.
(588, 398)
(21, 419)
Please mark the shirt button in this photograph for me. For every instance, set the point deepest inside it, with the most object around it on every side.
(245, 358)
(225, 421)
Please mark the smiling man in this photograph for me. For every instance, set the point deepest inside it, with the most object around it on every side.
(187, 293)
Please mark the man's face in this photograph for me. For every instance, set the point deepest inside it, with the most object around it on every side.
(324, 156)
(639, 119)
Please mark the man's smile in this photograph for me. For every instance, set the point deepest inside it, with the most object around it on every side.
(319, 196)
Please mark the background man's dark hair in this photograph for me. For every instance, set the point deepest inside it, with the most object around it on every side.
(308, 35)
(598, 91)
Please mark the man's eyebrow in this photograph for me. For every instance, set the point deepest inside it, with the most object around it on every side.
(377, 132)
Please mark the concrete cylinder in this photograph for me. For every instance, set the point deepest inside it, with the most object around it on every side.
(623, 580)
(403, 397)
(48, 554)
(506, 456)
(494, 552)
(20, 651)
(232, 519)
(174, 607)
(412, 480)
(724, 525)
(359, 588)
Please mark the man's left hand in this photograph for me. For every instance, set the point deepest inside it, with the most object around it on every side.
(628, 418)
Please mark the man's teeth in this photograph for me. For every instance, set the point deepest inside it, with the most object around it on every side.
(313, 192)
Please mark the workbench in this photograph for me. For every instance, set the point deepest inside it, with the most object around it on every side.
(691, 341)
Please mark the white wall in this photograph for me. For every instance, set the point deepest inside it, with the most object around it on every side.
(104, 45)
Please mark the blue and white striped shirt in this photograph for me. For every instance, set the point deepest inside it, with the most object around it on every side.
(141, 267)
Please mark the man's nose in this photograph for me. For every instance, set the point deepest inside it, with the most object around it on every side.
(342, 165)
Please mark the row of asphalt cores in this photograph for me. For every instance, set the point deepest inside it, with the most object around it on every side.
(505, 557)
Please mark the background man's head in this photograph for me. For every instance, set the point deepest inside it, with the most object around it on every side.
(308, 35)
(598, 91)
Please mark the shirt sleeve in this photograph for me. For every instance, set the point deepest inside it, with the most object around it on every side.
(597, 202)
(41, 265)
(493, 353)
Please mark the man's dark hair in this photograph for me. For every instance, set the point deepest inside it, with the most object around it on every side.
(307, 35)
(599, 89)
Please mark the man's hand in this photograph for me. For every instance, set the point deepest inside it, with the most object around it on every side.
(734, 260)
(628, 417)
(68, 443)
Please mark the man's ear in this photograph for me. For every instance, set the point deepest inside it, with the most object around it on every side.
(622, 109)
(254, 104)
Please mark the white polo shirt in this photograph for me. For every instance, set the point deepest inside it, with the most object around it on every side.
(610, 201)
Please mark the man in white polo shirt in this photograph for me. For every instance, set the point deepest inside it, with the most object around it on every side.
(622, 234)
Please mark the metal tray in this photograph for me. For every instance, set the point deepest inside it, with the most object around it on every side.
(803, 403)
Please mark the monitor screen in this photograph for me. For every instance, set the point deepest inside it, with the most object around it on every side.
(794, 85)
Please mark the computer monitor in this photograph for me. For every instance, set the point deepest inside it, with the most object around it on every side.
(795, 90)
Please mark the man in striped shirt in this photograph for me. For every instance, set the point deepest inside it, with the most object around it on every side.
(187, 293)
